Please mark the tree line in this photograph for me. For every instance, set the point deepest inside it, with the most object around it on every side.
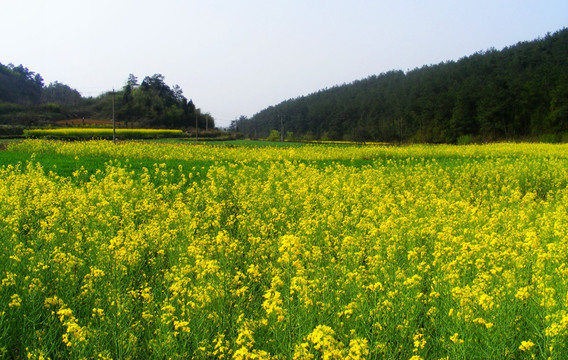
(25, 100)
(520, 91)
(152, 103)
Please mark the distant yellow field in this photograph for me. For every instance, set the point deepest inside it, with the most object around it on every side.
(85, 133)
(89, 122)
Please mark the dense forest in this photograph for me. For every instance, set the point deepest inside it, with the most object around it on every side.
(518, 92)
(26, 101)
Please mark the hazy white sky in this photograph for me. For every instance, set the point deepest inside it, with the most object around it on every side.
(237, 57)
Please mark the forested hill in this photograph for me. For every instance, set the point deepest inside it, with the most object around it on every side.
(520, 91)
(25, 101)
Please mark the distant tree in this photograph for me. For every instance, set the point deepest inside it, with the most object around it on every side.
(19, 85)
(360, 134)
(308, 136)
(290, 136)
(132, 81)
(178, 94)
(241, 124)
(59, 93)
(155, 83)
(190, 107)
(209, 121)
(274, 136)
(155, 98)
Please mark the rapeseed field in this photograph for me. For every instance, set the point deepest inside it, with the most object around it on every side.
(102, 133)
(306, 252)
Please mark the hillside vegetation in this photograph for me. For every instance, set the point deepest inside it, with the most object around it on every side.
(25, 101)
(518, 92)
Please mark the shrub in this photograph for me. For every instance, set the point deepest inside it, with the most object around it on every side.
(274, 136)
(465, 140)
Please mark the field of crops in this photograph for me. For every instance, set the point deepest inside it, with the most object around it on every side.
(101, 133)
(142, 250)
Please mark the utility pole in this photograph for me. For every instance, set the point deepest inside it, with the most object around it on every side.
(113, 122)
(196, 138)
